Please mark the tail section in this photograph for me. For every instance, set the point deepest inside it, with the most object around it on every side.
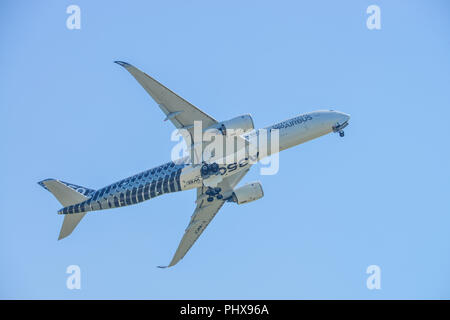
(67, 194)
(69, 224)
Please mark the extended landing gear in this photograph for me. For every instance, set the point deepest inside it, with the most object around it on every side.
(339, 128)
(213, 192)
(206, 171)
(209, 169)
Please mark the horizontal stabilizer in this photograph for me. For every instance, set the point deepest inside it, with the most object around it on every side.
(67, 194)
(69, 224)
(65, 189)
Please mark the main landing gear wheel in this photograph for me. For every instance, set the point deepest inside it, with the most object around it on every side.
(213, 192)
(208, 169)
(214, 167)
(204, 170)
(341, 133)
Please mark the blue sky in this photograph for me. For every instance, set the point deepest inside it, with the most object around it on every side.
(377, 197)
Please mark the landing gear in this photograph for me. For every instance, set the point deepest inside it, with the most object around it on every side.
(213, 192)
(339, 128)
(214, 168)
(204, 170)
(209, 169)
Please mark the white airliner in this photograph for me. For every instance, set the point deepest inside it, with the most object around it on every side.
(215, 181)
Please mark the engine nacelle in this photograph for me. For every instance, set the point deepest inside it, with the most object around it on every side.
(235, 126)
(250, 192)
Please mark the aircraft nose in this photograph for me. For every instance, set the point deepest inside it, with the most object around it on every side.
(344, 117)
(341, 121)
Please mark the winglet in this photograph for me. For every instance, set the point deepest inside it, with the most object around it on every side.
(123, 64)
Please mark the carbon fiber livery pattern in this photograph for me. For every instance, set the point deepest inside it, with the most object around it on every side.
(140, 187)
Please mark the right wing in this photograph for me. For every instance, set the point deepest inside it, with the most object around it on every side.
(203, 214)
(180, 112)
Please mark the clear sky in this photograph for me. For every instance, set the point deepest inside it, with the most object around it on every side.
(379, 196)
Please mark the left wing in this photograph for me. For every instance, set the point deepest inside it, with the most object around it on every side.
(180, 112)
(203, 214)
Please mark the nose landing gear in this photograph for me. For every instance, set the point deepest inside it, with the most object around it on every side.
(339, 128)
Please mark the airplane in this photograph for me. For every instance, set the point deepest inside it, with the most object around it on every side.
(215, 183)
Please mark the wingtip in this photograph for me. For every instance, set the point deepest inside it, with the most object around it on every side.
(122, 63)
(162, 267)
(62, 236)
(42, 184)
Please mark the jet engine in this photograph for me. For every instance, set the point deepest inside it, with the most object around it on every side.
(250, 192)
(235, 126)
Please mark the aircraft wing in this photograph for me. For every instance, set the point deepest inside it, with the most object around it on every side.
(180, 112)
(203, 214)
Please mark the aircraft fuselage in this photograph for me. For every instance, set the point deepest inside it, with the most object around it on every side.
(179, 176)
